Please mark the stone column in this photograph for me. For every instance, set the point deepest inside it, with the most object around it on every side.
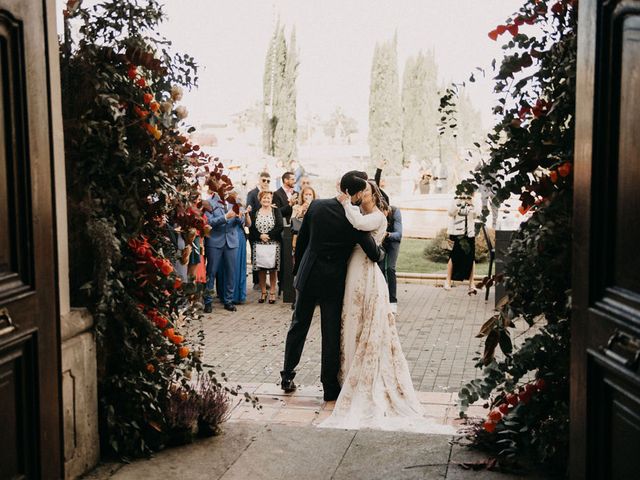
(79, 376)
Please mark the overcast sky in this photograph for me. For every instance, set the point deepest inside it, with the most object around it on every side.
(336, 38)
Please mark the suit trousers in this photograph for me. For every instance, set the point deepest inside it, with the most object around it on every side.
(217, 258)
(330, 313)
(388, 267)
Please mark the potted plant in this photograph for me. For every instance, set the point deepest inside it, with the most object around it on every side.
(214, 405)
(181, 413)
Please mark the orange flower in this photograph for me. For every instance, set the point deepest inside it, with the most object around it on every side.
(140, 112)
(132, 72)
(183, 352)
(169, 332)
(147, 97)
(553, 175)
(150, 368)
(161, 322)
(489, 426)
(523, 210)
(564, 169)
(154, 106)
(177, 283)
(495, 416)
(166, 267)
(141, 82)
(177, 339)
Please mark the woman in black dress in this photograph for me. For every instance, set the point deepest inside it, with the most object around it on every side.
(462, 232)
(266, 231)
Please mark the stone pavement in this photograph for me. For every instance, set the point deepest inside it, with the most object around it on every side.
(249, 450)
(437, 330)
(280, 440)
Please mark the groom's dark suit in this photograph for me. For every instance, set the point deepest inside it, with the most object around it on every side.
(325, 242)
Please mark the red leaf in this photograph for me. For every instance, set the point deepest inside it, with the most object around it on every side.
(493, 35)
(513, 30)
(501, 29)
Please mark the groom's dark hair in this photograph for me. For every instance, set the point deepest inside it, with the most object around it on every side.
(353, 182)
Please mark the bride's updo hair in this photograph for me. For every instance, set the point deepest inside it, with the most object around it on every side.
(378, 198)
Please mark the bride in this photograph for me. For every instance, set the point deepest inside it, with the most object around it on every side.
(377, 391)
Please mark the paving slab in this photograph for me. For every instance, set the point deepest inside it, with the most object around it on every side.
(206, 459)
(285, 452)
(394, 455)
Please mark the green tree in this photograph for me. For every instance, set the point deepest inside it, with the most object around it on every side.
(280, 125)
(385, 112)
(419, 108)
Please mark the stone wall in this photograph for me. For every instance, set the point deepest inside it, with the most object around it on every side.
(79, 393)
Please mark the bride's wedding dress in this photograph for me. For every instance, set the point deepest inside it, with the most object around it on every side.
(377, 391)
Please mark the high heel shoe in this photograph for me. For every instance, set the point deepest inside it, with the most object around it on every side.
(272, 298)
(263, 297)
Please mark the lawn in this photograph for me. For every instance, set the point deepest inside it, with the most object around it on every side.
(412, 260)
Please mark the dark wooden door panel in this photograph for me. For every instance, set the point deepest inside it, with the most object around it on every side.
(627, 261)
(605, 359)
(614, 410)
(18, 417)
(30, 428)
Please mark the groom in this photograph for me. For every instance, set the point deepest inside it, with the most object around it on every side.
(325, 242)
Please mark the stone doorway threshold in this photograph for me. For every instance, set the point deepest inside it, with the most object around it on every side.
(281, 441)
(306, 407)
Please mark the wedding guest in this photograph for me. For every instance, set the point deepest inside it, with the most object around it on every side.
(221, 248)
(392, 246)
(461, 232)
(182, 254)
(192, 252)
(307, 195)
(240, 267)
(266, 234)
(305, 182)
(286, 196)
(264, 181)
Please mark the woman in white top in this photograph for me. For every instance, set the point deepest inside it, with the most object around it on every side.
(462, 213)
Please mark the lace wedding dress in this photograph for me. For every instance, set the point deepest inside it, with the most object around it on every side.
(377, 391)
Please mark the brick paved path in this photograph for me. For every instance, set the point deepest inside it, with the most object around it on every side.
(437, 330)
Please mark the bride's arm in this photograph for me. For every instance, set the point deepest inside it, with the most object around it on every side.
(366, 223)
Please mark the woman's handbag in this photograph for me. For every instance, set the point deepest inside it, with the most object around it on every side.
(266, 255)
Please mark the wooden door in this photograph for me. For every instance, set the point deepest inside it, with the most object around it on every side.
(30, 427)
(605, 395)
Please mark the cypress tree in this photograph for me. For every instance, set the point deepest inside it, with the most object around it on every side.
(385, 122)
(279, 117)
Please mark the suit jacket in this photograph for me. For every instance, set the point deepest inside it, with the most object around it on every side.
(274, 234)
(325, 243)
(223, 231)
(252, 199)
(281, 201)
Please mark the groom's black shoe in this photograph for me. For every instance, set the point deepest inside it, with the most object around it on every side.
(288, 386)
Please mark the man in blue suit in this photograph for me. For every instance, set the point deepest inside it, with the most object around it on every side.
(221, 247)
